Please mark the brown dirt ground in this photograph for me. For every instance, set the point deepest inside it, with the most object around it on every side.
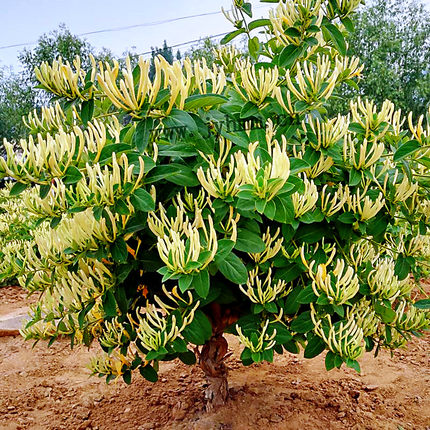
(45, 388)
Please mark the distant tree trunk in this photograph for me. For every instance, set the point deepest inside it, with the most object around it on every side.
(211, 361)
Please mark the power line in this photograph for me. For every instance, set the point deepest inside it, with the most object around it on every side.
(149, 24)
(128, 27)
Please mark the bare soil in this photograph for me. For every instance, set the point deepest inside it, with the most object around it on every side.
(45, 388)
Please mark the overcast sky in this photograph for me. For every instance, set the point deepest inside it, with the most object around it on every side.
(23, 21)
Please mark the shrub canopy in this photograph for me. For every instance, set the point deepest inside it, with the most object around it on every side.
(223, 199)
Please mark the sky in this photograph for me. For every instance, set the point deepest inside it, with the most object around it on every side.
(23, 21)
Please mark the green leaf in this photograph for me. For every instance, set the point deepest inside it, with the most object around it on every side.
(357, 128)
(330, 360)
(249, 109)
(289, 273)
(82, 314)
(314, 347)
(353, 364)
(109, 304)
(337, 38)
(126, 376)
(179, 118)
(179, 345)
(289, 55)
(149, 373)
(311, 233)
(347, 218)
(17, 188)
(225, 246)
(233, 269)
(87, 111)
(247, 241)
(402, 267)
(142, 133)
(201, 283)
(271, 307)
(259, 23)
(298, 165)
(406, 149)
(246, 356)
(44, 190)
(108, 150)
(253, 46)
(54, 222)
(338, 360)
(119, 250)
(422, 304)
(307, 296)
(199, 330)
(247, 8)
(387, 314)
(121, 208)
(349, 25)
(142, 200)
(354, 177)
(230, 36)
(155, 355)
(176, 173)
(291, 305)
(292, 347)
(203, 100)
(188, 358)
(72, 175)
(184, 282)
(283, 335)
(303, 323)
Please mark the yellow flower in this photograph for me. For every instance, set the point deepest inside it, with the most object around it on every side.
(267, 180)
(273, 246)
(344, 338)
(218, 180)
(259, 291)
(340, 285)
(327, 133)
(369, 152)
(288, 14)
(258, 85)
(366, 114)
(263, 338)
(124, 95)
(178, 240)
(305, 201)
(62, 80)
(313, 82)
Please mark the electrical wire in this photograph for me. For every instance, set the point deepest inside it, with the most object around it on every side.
(128, 27)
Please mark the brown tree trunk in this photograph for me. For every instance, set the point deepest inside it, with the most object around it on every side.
(211, 361)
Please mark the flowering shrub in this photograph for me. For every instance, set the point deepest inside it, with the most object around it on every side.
(223, 199)
(16, 231)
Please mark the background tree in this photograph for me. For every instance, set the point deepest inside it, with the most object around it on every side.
(58, 43)
(17, 93)
(204, 49)
(166, 52)
(16, 100)
(392, 40)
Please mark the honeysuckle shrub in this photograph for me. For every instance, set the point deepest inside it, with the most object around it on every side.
(223, 199)
(17, 229)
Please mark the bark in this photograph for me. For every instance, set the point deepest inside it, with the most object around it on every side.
(211, 361)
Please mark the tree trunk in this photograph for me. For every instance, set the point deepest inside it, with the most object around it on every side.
(211, 361)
